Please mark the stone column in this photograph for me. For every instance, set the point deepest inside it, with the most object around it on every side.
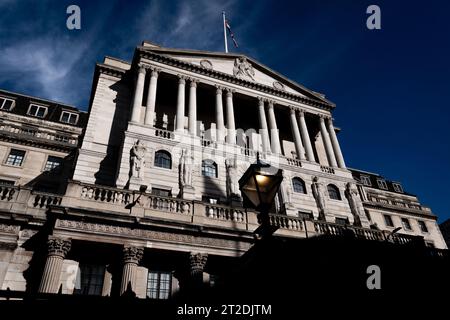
(57, 250)
(193, 107)
(151, 98)
(274, 137)
(131, 258)
(219, 115)
(180, 104)
(335, 143)
(263, 131)
(231, 132)
(327, 142)
(138, 95)
(296, 134)
(197, 265)
(305, 137)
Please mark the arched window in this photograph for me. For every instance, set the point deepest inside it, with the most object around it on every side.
(163, 159)
(333, 192)
(298, 185)
(209, 168)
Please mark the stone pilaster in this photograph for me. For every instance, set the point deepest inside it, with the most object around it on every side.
(57, 250)
(138, 95)
(151, 97)
(131, 257)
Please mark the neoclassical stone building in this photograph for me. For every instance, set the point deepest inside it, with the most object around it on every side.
(146, 196)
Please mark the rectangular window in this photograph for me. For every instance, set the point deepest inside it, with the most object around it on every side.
(342, 221)
(37, 111)
(422, 226)
(405, 223)
(8, 183)
(52, 163)
(161, 192)
(365, 180)
(388, 220)
(6, 104)
(91, 279)
(69, 117)
(397, 187)
(15, 157)
(159, 285)
(382, 184)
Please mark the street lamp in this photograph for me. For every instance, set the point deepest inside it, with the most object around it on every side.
(259, 185)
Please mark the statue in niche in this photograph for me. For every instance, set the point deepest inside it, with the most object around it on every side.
(185, 170)
(352, 195)
(137, 159)
(318, 190)
(232, 178)
(243, 69)
(285, 190)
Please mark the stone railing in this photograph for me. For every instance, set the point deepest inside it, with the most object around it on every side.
(166, 134)
(7, 192)
(105, 194)
(294, 162)
(42, 199)
(208, 143)
(326, 169)
(286, 222)
(167, 204)
(224, 213)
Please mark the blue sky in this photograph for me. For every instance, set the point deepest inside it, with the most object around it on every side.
(391, 86)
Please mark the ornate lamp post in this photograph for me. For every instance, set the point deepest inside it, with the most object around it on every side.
(259, 185)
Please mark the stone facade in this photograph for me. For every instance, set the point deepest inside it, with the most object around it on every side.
(147, 201)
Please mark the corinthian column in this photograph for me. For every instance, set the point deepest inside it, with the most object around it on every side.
(180, 104)
(193, 107)
(57, 250)
(131, 258)
(335, 143)
(151, 98)
(263, 131)
(274, 137)
(231, 132)
(296, 133)
(219, 116)
(138, 93)
(327, 142)
(305, 137)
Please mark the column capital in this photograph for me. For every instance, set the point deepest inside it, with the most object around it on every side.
(155, 71)
(324, 117)
(270, 102)
(198, 261)
(292, 109)
(262, 100)
(181, 78)
(142, 68)
(219, 89)
(230, 91)
(132, 254)
(193, 82)
(58, 246)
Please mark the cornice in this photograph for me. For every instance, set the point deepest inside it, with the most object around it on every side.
(110, 70)
(229, 78)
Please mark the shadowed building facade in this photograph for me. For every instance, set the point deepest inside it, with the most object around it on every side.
(146, 197)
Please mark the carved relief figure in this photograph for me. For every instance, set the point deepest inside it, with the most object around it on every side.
(185, 169)
(352, 195)
(243, 69)
(137, 159)
(232, 178)
(318, 190)
(285, 190)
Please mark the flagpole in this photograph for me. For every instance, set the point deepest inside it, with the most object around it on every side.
(225, 32)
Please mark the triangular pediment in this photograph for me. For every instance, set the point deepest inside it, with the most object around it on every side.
(239, 66)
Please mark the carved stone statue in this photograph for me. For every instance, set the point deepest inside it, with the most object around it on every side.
(137, 159)
(285, 190)
(185, 170)
(232, 178)
(243, 69)
(318, 190)
(351, 193)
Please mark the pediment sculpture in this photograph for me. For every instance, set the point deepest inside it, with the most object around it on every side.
(243, 69)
